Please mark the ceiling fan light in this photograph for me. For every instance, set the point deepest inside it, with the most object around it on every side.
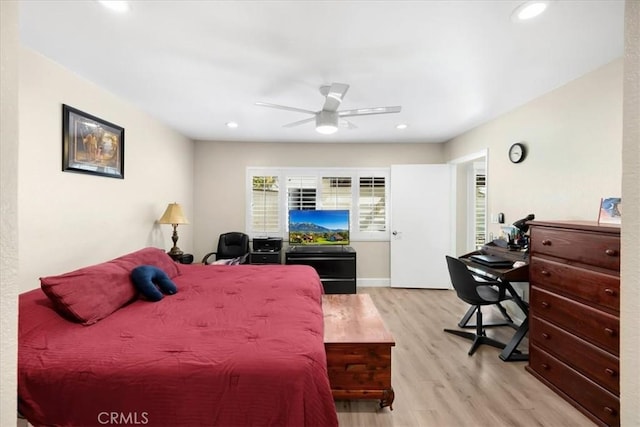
(326, 129)
(327, 122)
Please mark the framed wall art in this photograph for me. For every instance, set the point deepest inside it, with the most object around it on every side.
(610, 210)
(91, 145)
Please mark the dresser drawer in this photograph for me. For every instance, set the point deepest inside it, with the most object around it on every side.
(595, 363)
(359, 366)
(339, 286)
(265, 257)
(602, 329)
(327, 266)
(591, 248)
(587, 285)
(593, 398)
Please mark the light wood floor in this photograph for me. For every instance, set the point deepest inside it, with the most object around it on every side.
(437, 384)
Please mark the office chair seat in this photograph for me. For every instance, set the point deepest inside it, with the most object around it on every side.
(478, 294)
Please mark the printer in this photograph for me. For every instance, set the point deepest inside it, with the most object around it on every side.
(267, 244)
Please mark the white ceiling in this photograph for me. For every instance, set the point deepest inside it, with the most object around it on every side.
(451, 65)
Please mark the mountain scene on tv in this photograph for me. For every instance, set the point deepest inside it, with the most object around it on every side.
(313, 233)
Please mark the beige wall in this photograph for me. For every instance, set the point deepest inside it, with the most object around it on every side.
(70, 220)
(8, 210)
(630, 268)
(574, 140)
(220, 184)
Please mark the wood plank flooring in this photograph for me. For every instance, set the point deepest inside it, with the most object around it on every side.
(437, 384)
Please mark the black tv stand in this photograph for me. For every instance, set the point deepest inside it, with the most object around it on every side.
(336, 265)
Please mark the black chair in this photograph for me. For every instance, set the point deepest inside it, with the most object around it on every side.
(230, 245)
(477, 293)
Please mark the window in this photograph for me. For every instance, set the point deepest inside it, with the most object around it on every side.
(265, 205)
(364, 192)
(336, 192)
(301, 192)
(372, 202)
(480, 207)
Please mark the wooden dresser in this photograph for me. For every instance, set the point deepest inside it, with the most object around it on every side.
(574, 314)
(358, 347)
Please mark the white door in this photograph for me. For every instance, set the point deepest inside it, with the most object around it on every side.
(420, 226)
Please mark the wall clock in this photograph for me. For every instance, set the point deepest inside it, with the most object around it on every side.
(517, 152)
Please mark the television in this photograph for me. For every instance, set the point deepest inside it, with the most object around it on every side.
(323, 227)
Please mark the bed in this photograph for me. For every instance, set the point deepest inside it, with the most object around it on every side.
(235, 346)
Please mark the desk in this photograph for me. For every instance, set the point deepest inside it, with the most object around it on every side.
(506, 276)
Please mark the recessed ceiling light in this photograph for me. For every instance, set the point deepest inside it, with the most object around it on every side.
(119, 6)
(232, 125)
(529, 10)
(401, 126)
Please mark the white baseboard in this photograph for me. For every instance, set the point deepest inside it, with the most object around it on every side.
(374, 282)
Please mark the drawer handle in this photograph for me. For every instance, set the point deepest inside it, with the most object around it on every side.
(609, 411)
(546, 242)
(545, 304)
(545, 273)
(610, 372)
(545, 366)
(611, 252)
(545, 336)
(610, 292)
(610, 331)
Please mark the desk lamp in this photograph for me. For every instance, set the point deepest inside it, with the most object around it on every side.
(523, 227)
(174, 216)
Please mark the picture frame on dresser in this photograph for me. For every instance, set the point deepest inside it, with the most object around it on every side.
(610, 211)
(91, 145)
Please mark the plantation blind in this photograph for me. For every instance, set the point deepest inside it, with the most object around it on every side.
(372, 204)
(336, 192)
(265, 205)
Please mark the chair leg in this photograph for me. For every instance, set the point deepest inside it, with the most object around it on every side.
(464, 322)
(480, 337)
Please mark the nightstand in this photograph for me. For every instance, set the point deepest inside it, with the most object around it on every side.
(265, 257)
(182, 258)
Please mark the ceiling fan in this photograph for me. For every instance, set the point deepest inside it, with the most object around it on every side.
(329, 117)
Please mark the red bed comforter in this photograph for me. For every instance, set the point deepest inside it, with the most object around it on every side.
(236, 346)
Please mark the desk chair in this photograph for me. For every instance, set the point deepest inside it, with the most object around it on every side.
(508, 321)
(477, 294)
(230, 245)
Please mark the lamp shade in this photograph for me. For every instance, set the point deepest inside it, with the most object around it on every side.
(173, 215)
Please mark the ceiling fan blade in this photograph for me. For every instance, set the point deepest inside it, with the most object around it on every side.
(369, 111)
(334, 96)
(347, 124)
(299, 122)
(283, 107)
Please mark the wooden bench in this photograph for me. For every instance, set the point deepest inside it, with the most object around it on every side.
(358, 347)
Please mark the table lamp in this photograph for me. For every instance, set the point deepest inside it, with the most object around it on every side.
(174, 216)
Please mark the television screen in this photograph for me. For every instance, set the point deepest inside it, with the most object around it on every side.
(330, 227)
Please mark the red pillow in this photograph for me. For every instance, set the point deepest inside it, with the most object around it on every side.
(149, 256)
(92, 293)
